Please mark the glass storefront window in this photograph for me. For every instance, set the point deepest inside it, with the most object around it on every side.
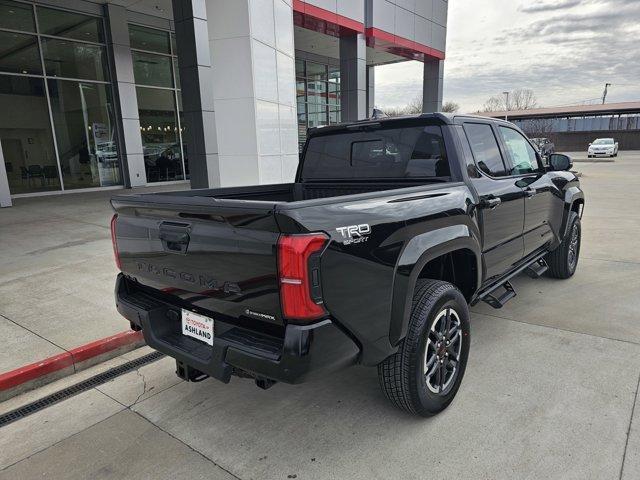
(157, 78)
(61, 131)
(63, 58)
(153, 70)
(149, 39)
(185, 145)
(19, 53)
(16, 16)
(61, 23)
(318, 96)
(176, 72)
(316, 71)
(27, 143)
(85, 132)
(160, 137)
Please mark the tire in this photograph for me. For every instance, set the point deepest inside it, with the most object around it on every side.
(402, 375)
(563, 261)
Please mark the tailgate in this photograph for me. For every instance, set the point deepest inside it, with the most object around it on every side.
(214, 256)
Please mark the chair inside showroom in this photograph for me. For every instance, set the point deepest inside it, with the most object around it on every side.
(35, 171)
(50, 173)
(24, 175)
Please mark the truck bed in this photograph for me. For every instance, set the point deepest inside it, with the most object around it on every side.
(277, 193)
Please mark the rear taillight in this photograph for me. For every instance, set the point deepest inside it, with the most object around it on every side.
(114, 241)
(299, 275)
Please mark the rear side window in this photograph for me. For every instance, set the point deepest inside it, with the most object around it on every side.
(384, 153)
(485, 149)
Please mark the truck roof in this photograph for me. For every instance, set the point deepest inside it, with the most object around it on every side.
(433, 118)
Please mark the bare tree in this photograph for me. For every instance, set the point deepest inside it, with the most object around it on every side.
(494, 104)
(538, 127)
(414, 107)
(450, 107)
(519, 99)
(394, 111)
(522, 99)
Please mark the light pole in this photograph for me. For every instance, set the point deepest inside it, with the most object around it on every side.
(506, 105)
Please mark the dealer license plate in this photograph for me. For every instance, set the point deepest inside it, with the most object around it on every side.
(197, 326)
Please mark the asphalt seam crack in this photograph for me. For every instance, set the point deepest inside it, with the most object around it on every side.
(188, 446)
(626, 444)
(144, 386)
(31, 331)
(63, 439)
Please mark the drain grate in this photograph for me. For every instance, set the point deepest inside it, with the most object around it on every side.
(85, 385)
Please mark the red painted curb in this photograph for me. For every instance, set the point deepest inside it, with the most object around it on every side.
(63, 360)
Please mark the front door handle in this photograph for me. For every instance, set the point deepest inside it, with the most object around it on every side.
(490, 203)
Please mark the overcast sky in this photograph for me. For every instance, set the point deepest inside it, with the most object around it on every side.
(564, 50)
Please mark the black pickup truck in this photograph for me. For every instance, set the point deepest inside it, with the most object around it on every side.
(372, 256)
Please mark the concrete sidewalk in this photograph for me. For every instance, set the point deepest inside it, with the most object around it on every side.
(57, 275)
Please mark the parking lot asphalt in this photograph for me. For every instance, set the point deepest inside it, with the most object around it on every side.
(549, 392)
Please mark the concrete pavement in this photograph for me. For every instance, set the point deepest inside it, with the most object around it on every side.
(551, 391)
(56, 287)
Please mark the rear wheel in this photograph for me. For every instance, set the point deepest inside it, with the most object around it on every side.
(424, 375)
(563, 261)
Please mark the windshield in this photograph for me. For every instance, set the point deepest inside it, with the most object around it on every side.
(603, 141)
(384, 153)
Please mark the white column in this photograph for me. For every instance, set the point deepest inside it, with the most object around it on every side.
(252, 53)
(130, 140)
(371, 90)
(196, 77)
(353, 77)
(5, 193)
(432, 85)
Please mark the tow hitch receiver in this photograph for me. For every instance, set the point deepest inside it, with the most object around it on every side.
(188, 373)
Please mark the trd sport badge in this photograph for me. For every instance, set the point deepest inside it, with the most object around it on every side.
(354, 233)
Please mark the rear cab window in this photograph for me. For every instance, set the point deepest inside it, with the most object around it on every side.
(387, 153)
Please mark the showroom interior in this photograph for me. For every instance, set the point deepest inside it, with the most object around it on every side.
(127, 93)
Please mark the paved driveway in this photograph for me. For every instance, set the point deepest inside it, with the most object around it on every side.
(549, 393)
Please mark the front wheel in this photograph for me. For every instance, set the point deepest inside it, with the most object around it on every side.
(563, 261)
(424, 375)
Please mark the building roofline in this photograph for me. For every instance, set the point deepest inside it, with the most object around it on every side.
(607, 108)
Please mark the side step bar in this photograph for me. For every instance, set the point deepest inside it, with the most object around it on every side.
(498, 302)
(537, 269)
(534, 266)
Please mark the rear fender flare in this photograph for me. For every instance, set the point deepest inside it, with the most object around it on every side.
(419, 251)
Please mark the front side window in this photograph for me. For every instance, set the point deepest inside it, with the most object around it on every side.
(485, 149)
(523, 156)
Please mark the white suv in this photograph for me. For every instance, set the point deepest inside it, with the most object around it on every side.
(603, 146)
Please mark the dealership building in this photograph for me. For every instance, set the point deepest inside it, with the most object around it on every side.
(106, 94)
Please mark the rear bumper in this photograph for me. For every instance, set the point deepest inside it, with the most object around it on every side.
(305, 351)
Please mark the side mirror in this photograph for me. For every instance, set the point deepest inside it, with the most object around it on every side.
(589, 144)
(559, 162)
